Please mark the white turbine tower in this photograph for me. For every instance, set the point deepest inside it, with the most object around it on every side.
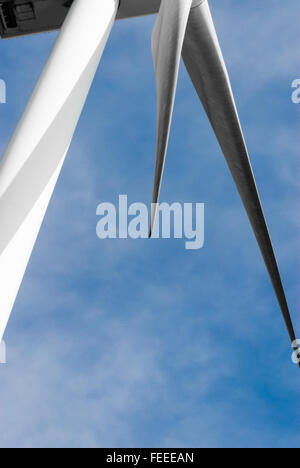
(33, 160)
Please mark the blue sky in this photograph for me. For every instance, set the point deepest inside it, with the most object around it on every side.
(126, 343)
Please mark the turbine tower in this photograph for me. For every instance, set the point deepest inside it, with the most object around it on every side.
(34, 157)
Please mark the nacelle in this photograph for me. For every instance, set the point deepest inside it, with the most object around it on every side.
(21, 17)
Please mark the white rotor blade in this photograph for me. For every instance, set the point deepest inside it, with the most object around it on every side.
(32, 162)
(204, 61)
(167, 41)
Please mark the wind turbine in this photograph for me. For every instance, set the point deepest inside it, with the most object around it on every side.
(34, 157)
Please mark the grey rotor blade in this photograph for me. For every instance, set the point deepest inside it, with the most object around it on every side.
(205, 64)
(167, 40)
